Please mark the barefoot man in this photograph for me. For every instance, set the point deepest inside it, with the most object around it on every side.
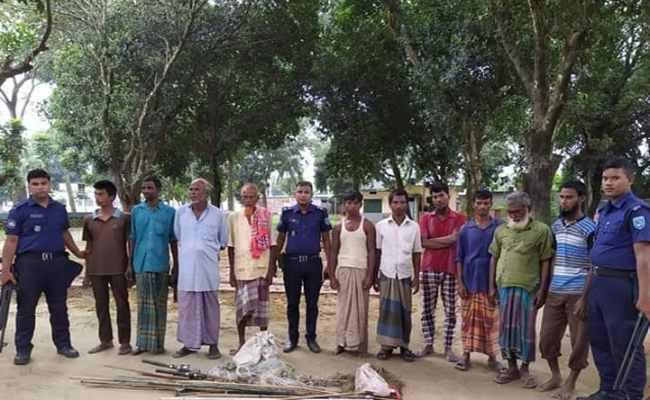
(566, 302)
(353, 272)
(252, 262)
(521, 259)
(480, 317)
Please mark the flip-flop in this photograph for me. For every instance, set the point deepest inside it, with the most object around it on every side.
(232, 352)
(504, 376)
(462, 365)
(529, 382)
(384, 354)
(424, 352)
(407, 355)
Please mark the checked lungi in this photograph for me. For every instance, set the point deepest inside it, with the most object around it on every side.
(152, 294)
(430, 282)
(394, 325)
(517, 324)
(252, 302)
(480, 325)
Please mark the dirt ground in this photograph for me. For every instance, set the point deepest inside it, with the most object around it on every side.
(51, 376)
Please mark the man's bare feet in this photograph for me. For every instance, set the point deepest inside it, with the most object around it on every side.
(235, 350)
(566, 391)
(426, 350)
(553, 383)
(451, 356)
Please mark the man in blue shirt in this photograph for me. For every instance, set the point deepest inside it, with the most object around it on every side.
(621, 276)
(37, 235)
(480, 316)
(566, 303)
(152, 235)
(305, 225)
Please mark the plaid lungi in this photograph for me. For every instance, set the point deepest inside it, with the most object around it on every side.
(394, 325)
(480, 325)
(252, 302)
(517, 324)
(152, 310)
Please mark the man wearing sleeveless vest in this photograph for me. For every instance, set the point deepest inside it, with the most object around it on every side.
(353, 270)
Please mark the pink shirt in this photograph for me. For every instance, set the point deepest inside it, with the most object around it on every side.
(432, 226)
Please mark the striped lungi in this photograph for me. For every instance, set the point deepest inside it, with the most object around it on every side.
(199, 319)
(517, 324)
(480, 325)
(252, 302)
(352, 310)
(394, 325)
(152, 291)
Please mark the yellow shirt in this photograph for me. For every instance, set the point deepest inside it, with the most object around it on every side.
(246, 267)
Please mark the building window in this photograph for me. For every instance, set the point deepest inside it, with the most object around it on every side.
(81, 187)
(372, 206)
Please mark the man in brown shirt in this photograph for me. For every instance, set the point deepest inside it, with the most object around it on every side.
(106, 233)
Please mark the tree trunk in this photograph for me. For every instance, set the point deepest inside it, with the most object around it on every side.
(264, 199)
(397, 173)
(215, 193)
(596, 194)
(542, 166)
(474, 174)
(230, 189)
(68, 188)
(128, 192)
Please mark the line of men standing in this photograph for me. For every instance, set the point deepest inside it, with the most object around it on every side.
(593, 278)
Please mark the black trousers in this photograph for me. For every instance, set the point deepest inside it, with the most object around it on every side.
(36, 276)
(119, 287)
(297, 273)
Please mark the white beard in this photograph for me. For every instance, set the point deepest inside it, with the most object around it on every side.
(521, 225)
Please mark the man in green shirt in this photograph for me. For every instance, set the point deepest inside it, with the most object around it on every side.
(519, 275)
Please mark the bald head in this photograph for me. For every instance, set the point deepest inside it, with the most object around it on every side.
(249, 194)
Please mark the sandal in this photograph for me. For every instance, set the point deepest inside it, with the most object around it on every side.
(505, 376)
(407, 355)
(384, 354)
(462, 365)
(528, 382)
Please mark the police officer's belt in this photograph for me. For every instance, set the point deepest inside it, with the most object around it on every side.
(42, 255)
(303, 257)
(615, 273)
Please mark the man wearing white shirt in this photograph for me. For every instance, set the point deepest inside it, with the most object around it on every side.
(202, 232)
(398, 252)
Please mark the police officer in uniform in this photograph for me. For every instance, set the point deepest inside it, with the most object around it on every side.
(621, 281)
(37, 235)
(303, 226)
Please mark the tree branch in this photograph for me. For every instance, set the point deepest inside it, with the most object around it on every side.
(504, 22)
(540, 62)
(396, 27)
(570, 52)
(9, 71)
(195, 7)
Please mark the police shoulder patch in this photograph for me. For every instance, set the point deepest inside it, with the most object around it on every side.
(11, 224)
(638, 222)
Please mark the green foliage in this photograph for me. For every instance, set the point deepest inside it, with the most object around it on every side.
(365, 105)
(11, 144)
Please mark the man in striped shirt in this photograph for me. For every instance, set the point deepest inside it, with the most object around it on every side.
(567, 298)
